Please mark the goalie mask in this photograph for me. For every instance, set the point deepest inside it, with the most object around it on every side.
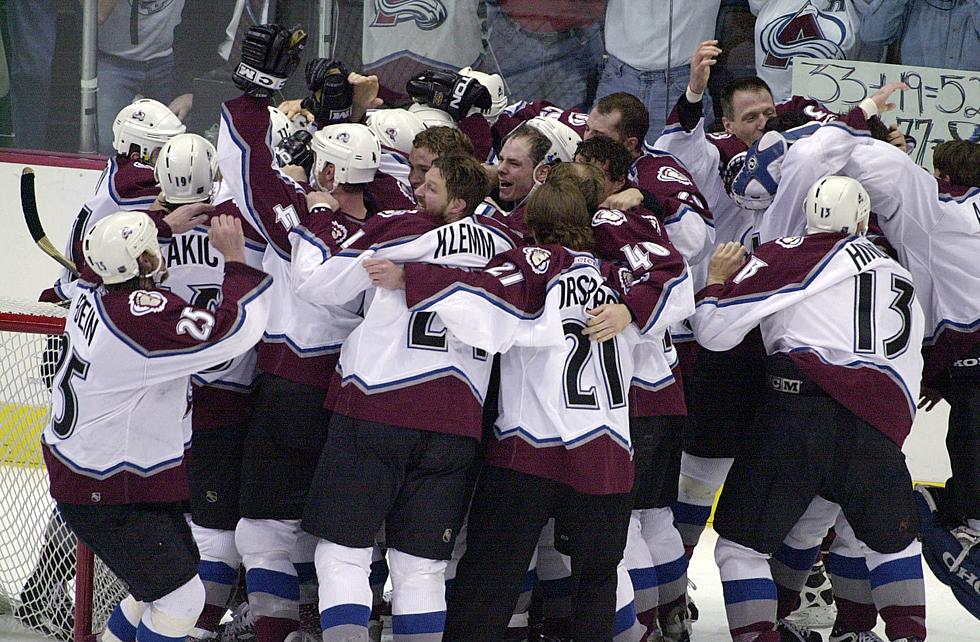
(755, 185)
(432, 117)
(113, 245)
(146, 123)
(353, 150)
(498, 92)
(186, 169)
(837, 204)
(564, 140)
(395, 129)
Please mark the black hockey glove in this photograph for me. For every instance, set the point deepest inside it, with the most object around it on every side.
(331, 95)
(450, 92)
(296, 150)
(270, 54)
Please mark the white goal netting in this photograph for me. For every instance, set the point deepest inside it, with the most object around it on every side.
(37, 550)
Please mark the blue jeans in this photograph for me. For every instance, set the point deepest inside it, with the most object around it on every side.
(32, 25)
(119, 82)
(552, 66)
(651, 88)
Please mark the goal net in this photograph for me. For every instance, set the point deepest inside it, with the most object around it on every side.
(46, 583)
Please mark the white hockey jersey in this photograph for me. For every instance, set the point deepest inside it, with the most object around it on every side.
(937, 238)
(843, 310)
(788, 29)
(117, 432)
(399, 367)
(563, 404)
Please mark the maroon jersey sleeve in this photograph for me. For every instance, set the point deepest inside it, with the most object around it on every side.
(386, 192)
(478, 130)
(665, 177)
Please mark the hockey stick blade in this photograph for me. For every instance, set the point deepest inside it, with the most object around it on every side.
(28, 202)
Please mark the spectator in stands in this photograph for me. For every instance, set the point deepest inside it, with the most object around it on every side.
(547, 49)
(930, 33)
(32, 26)
(136, 56)
(786, 29)
(649, 47)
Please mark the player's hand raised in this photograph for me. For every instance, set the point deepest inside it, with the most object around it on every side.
(705, 57)
(365, 95)
(726, 260)
(186, 217)
(385, 274)
(881, 96)
(606, 321)
(227, 237)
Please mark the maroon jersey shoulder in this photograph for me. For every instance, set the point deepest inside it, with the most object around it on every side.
(133, 180)
(388, 193)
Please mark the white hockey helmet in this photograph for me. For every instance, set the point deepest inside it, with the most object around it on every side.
(432, 117)
(564, 139)
(395, 129)
(498, 92)
(147, 123)
(837, 204)
(353, 149)
(282, 127)
(186, 169)
(114, 244)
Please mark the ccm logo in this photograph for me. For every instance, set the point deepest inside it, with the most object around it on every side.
(253, 75)
(781, 384)
(966, 363)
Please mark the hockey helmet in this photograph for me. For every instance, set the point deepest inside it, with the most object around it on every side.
(352, 148)
(113, 245)
(395, 129)
(146, 123)
(755, 185)
(282, 127)
(432, 117)
(837, 204)
(186, 169)
(498, 92)
(564, 139)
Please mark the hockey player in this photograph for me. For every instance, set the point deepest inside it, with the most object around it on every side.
(410, 461)
(115, 445)
(522, 278)
(299, 349)
(429, 145)
(839, 319)
(395, 129)
(222, 398)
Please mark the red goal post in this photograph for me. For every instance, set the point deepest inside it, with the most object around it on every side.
(49, 583)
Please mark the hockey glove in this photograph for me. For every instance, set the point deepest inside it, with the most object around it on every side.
(270, 54)
(450, 92)
(296, 150)
(331, 95)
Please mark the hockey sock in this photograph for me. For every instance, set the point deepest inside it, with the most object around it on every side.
(418, 597)
(273, 586)
(172, 617)
(750, 593)
(794, 559)
(899, 591)
(700, 479)
(345, 595)
(626, 626)
(124, 620)
(642, 572)
(218, 570)
(670, 561)
(856, 611)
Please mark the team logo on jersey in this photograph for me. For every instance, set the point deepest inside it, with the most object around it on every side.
(142, 302)
(654, 222)
(625, 279)
(672, 174)
(608, 217)
(809, 33)
(538, 258)
(427, 14)
(719, 135)
(789, 242)
(338, 232)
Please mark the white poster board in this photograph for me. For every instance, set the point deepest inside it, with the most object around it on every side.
(940, 104)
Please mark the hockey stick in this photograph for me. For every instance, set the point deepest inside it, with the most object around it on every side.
(28, 202)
